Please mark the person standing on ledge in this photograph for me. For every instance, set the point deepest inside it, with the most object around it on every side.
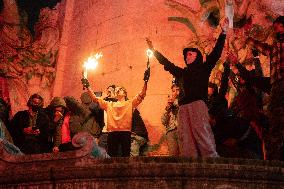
(119, 117)
(170, 121)
(194, 131)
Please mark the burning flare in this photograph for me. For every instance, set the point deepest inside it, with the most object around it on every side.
(91, 63)
(149, 53)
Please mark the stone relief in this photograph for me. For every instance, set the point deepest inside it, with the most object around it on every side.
(251, 18)
(27, 60)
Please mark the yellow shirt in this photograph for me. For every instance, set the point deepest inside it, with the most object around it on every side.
(119, 114)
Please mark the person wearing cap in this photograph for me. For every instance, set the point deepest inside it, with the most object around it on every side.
(194, 131)
(30, 128)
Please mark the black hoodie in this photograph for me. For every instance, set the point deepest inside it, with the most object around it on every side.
(193, 79)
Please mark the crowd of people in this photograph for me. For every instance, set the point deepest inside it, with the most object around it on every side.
(199, 121)
(205, 124)
(51, 129)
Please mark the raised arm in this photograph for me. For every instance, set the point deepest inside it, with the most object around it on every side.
(224, 80)
(245, 74)
(262, 83)
(216, 53)
(140, 96)
(257, 64)
(264, 48)
(102, 103)
(168, 66)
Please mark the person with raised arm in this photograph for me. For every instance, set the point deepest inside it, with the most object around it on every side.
(119, 117)
(194, 131)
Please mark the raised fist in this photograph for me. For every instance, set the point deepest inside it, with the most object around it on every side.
(254, 52)
(147, 75)
(226, 64)
(85, 83)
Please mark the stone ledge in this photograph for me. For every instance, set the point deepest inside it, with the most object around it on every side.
(79, 169)
(143, 170)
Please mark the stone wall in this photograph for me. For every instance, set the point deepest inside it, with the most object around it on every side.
(79, 169)
(118, 28)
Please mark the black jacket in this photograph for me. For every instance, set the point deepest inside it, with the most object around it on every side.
(138, 125)
(260, 82)
(30, 144)
(193, 79)
(219, 105)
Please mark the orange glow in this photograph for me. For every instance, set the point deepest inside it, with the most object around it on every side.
(91, 63)
(149, 53)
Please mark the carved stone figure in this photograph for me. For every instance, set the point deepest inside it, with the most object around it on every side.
(27, 61)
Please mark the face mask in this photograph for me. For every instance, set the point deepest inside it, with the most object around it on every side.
(35, 108)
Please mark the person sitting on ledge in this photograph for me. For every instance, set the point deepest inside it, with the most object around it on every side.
(30, 128)
(60, 125)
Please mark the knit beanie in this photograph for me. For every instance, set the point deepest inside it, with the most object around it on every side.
(58, 101)
(86, 98)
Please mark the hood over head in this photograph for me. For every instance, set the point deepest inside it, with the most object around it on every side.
(199, 58)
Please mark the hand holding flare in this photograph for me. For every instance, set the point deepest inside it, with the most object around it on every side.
(91, 63)
(147, 71)
(85, 83)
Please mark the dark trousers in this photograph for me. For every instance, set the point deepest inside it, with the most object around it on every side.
(118, 143)
(103, 140)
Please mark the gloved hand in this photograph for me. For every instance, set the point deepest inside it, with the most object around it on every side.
(85, 83)
(226, 65)
(147, 75)
(254, 52)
